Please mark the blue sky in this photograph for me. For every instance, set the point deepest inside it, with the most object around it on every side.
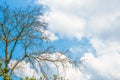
(89, 29)
(19, 3)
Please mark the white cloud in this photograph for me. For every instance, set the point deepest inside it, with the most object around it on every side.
(62, 22)
(23, 70)
(105, 26)
(103, 47)
(67, 71)
(105, 67)
(47, 35)
(72, 73)
(106, 64)
(77, 18)
(66, 24)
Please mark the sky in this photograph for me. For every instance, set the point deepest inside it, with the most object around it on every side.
(90, 30)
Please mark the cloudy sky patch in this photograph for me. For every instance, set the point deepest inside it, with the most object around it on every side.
(97, 20)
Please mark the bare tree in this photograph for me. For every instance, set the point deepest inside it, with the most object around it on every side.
(20, 30)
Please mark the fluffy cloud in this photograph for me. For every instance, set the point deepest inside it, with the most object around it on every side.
(23, 69)
(78, 18)
(67, 71)
(64, 23)
(47, 35)
(105, 47)
(104, 66)
(105, 26)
